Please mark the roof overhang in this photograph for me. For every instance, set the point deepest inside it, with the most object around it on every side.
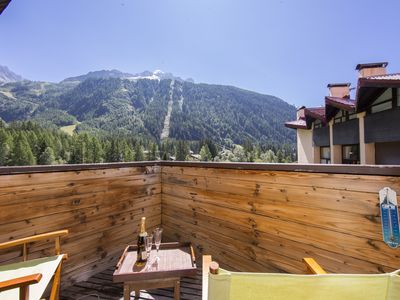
(298, 124)
(334, 104)
(3, 5)
(370, 88)
(312, 114)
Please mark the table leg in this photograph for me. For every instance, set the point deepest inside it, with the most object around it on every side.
(177, 290)
(137, 294)
(127, 292)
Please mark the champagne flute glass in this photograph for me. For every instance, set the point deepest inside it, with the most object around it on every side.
(157, 240)
(148, 243)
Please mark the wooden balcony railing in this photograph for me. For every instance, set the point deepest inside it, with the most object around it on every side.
(249, 217)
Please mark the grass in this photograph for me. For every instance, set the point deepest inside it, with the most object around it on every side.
(69, 129)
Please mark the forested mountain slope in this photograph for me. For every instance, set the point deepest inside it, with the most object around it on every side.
(121, 103)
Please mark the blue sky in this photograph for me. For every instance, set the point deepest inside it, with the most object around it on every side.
(290, 49)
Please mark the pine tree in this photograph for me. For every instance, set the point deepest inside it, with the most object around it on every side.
(153, 152)
(205, 153)
(22, 154)
(268, 157)
(79, 151)
(47, 157)
(113, 152)
(165, 156)
(5, 147)
(128, 153)
(280, 156)
(182, 151)
(139, 155)
(239, 154)
(211, 146)
(97, 150)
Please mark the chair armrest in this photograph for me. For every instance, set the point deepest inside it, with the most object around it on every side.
(313, 267)
(33, 238)
(20, 282)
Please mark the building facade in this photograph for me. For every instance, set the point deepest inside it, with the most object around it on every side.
(364, 130)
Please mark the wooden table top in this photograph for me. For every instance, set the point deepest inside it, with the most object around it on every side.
(176, 260)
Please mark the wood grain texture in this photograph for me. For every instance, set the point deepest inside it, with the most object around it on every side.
(248, 219)
(175, 260)
(101, 208)
(262, 220)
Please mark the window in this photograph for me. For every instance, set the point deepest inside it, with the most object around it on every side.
(384, 102)
(339, 117)
(325, 155)
(343, 116)
(317, 124)
(381, 106)
(350, 154)
(352, 116)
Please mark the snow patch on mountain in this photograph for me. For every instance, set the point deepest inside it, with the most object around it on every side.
(6, 75)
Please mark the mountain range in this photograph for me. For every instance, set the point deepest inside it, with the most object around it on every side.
(154, 105)
(6, 75)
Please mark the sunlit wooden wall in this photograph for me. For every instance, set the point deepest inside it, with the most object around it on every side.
(267, 221)
(101, 208)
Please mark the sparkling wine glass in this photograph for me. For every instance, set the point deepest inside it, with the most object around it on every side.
(148, 243)
(157, 239)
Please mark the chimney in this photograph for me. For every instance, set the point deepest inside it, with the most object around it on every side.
(300, 113)
(340, 90)
(371, 69)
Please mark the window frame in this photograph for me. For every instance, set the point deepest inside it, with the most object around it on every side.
(393, 99)
(349, 161)
(317, 125)
(323, 159)
(344, 116)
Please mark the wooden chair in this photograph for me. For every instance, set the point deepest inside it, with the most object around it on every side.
(224, 285)
(49, 267)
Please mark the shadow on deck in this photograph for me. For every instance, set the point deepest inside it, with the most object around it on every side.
(101, 286)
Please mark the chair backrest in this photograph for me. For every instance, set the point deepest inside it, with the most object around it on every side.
(237, 285)
(23, 242)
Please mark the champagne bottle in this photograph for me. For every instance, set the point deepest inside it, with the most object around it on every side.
(141, 247)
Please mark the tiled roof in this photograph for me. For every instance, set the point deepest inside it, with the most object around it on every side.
(395, 76)
(368, 89)
(334, 104)
(342, 103)
(298, 124)
(315, 112)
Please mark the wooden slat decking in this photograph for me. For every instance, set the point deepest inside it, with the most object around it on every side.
(100, 286)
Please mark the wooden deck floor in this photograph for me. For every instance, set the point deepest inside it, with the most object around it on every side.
(100, 286)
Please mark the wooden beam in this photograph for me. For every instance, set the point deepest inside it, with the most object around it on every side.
(20, 282)
(390, 170)
(313, 267)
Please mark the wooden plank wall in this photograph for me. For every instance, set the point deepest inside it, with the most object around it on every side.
(101, 208)
(267, 221)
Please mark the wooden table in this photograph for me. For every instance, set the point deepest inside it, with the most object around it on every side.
(176, 260)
